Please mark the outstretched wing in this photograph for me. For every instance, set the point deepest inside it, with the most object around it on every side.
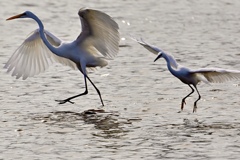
(100, 31)
(33, 56)
(156, 50)
(216, 75)
(151, 48)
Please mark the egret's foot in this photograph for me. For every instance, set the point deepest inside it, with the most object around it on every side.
(179, 111)
(195, 108)
(183, 103)
(64, 101)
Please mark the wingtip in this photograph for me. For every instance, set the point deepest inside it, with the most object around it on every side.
(132, 37)
(140, 41)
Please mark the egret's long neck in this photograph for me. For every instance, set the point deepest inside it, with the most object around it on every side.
(171, 63)
(42, 35)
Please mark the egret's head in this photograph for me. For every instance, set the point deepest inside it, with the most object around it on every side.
(26, 14)
(159, 56)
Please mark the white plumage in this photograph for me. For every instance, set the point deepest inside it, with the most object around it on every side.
(33, 56)
(97, 43)
(192, 77)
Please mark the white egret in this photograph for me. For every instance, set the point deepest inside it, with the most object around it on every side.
(192, 77)
(97, 43)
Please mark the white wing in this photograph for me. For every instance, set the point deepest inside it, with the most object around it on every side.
(151, 48)
(157, 50)
(100, 31)
(216, 75)
(33, 56)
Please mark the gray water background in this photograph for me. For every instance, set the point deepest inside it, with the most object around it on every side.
(141, 97)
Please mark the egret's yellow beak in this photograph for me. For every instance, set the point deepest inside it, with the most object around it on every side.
(14, 17)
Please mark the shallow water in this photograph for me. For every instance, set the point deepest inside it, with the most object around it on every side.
(142, 99)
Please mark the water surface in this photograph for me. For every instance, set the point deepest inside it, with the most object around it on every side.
(142, 99)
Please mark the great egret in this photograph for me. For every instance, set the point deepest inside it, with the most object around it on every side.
(191, 77)
(97, 43)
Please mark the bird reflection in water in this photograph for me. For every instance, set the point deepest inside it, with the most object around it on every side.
(109, 124)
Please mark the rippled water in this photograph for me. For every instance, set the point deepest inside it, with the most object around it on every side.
(141, 119)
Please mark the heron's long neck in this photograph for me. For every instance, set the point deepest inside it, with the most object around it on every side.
(42, 35)
(171, 63)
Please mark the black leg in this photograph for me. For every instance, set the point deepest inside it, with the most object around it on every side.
(195, 103)
(69, 99)
(96, 90)
(183, 100)
(84, 93)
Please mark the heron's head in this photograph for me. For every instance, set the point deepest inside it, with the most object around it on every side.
(26, 14)
(159, 56)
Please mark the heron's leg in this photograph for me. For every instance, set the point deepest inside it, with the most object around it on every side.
(96, 90)
(69, 99)
(195, 103)
(183, 100)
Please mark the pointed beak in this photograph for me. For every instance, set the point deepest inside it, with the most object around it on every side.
(159, 56)
(14, 17)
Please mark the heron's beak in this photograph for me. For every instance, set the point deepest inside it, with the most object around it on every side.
(159, 56)
(14, 17)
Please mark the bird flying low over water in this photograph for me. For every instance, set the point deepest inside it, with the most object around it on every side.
(97, 43)
(189, 76)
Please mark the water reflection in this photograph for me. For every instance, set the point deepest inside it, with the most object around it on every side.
(110, 124)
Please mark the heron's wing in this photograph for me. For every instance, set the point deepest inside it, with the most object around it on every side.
(33, 56)
(216, 75)
(151, 48)
(100, 31)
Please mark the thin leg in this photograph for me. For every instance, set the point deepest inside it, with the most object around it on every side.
(195, 103)
(69, 99)
(183, 100)
(96, 90)
(84, 93)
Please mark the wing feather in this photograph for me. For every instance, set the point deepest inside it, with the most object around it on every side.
(99, 30)
(33, 57)
(149, 47)
(216, 75)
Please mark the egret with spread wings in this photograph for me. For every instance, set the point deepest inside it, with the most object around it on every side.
(191, 77)
(97, 43)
